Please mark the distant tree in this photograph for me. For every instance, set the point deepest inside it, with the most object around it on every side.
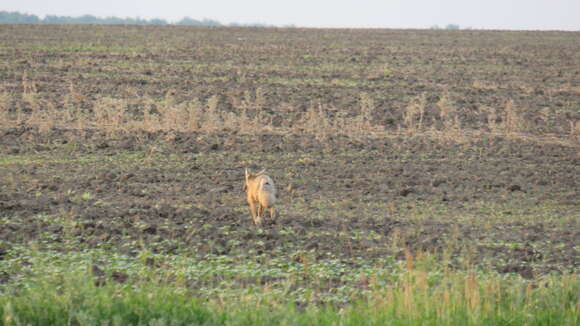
(234, 24)
(53, 19)
(188, 21)
(157, 21)
(88, 19)
(452, 27)
(210, 22)
(7, 17)
(114, 21)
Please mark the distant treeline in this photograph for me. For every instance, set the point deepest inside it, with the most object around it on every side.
(7, 17)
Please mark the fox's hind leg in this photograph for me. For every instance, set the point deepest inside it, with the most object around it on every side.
(260, 213)
(254, 211)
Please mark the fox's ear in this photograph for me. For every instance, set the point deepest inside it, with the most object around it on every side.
(261, 172)
(247, 175)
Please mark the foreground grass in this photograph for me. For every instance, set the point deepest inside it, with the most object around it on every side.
(414, 294)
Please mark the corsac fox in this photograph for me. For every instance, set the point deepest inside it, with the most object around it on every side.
(260, 194)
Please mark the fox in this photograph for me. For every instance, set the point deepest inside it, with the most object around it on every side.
(260, 194)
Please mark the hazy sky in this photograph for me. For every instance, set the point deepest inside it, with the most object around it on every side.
(488, 14)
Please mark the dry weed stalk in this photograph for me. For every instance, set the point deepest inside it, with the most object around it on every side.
(574, 129)
(478, 84)
(150, 121)
(44, 119)
(110, 115)
(232, 121)
(212, 118)
(449, 116)
(5, 101)
(192, 115)
(260, 98)
(446, 109)
(492, 117)
(341, 123)
(244, 123)
(509, 120)
(252, 101)
(40, 113)
(32, 100)
(177, 116)
(73, 95)
(147, 114)
(169, 116)
(71, 113)
(28, 86)
(513, 120)
(255, 100)
(545, 115)
(316, 122)
(472, 289)
(362, 124)
(414, 113)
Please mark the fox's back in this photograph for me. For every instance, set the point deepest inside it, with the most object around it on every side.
(260, 194)
(263, 190)
(267, 191)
